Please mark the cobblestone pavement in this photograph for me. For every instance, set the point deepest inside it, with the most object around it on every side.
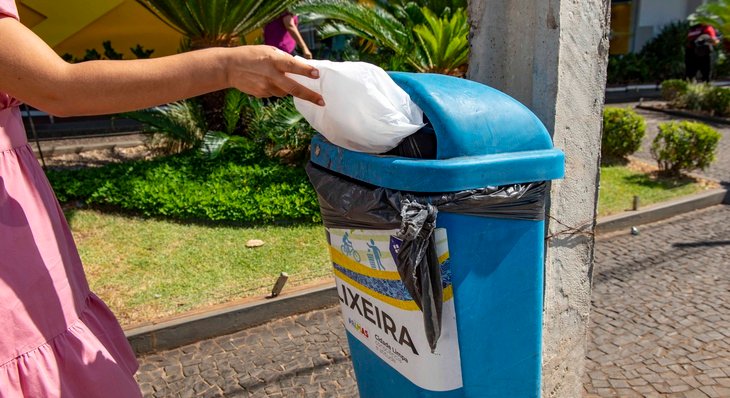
(660, 326)
(719, 170)
(660, 322)
(299, 356)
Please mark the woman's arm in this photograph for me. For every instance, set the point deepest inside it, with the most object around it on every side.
(293, 30)
(33, 73)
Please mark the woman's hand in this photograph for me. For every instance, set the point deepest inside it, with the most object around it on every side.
(38, 76)
(261, 71)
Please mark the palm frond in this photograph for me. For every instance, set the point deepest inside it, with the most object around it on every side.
(443, 42)
(373, 24)
(179, 121)
(215, 22)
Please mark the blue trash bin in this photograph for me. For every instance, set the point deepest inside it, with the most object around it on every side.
(491, 263)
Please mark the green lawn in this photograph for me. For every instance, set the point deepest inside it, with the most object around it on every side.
(619, 184)
(146, 269)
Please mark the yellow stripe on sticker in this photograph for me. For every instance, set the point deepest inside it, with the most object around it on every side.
(354, 266)
(408, 305)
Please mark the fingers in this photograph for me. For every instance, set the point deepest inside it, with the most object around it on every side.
(304, 93)
(300, 68)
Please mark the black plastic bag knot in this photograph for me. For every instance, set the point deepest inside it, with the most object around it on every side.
(418, 264)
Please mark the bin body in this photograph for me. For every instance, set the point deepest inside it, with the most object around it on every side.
(492, 267)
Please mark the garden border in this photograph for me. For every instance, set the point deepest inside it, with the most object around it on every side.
(188, 329)
(685, 114)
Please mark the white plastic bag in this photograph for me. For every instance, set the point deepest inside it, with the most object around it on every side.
(365, 111)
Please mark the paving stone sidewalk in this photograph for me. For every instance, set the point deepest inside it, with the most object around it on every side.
(660, 326)
(660, 322)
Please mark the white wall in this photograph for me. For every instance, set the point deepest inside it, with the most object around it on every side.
(652, 15)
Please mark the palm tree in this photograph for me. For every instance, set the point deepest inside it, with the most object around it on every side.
(215, 23)
(414, 37)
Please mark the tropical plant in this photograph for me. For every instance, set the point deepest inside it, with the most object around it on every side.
(141, 52)
(410, 37)
(276, 127)
(437, 6)
(215, 24)
(180, 125)
(444, 42)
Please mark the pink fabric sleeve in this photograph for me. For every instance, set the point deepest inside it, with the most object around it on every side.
(8, 8)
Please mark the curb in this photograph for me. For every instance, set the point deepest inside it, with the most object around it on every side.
(662, 211)
(202, 326)
(189, 329)
(69, 149)
(685, 114)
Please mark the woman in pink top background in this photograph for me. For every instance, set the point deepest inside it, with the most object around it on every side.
(283, 33)
(59, 339)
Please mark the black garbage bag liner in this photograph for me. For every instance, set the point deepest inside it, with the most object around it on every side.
(348, 203)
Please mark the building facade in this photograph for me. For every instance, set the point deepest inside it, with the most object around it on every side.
(635, 22)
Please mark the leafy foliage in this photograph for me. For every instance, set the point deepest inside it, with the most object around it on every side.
(110, 52)
(717, 101)
(237, 187)
(627, 68)
(271, 127)
(665, 52)
(684, 146)
(716, 13)
(180, 123)
(444, 42)
(437, 6)
(623, 130)
(693, 98)
(697, 96)
(141, 52)
(661, 58)
(402, 36)
(215, 23)
(674, 88)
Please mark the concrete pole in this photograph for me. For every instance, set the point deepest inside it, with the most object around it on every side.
(551, 55)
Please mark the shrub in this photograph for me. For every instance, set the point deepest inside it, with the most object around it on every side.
(627, 68)
(684, 146)
(235, 187)
(717, 101)
(694, 98)
(665, 52)
(623, 130)
(673, 89)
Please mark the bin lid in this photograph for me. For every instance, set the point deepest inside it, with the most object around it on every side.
(483, 138)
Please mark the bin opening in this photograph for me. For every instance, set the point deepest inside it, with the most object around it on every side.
(420, 145)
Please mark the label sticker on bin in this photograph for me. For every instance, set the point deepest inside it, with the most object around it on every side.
(378, 310)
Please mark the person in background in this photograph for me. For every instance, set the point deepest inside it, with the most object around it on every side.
(701, 42)
(283, 33)
(58, 338)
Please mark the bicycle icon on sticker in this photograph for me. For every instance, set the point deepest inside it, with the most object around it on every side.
(347, 249)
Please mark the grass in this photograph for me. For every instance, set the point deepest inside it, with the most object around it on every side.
(620, 183)
(145, 269)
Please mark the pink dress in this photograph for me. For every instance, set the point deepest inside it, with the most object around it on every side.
(57, 339)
